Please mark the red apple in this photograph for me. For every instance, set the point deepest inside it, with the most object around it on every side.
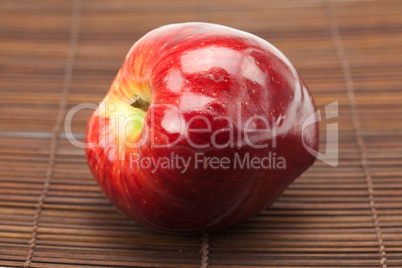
(201, 129)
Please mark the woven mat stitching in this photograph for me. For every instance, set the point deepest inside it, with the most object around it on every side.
(74, 32)
(347, 74)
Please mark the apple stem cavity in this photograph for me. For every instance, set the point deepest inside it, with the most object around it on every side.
(137, 102)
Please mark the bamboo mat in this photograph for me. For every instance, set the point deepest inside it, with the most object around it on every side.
(57, 54)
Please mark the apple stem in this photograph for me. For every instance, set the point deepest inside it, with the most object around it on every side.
(137, 102)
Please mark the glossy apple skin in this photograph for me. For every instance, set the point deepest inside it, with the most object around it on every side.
(204, 70)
